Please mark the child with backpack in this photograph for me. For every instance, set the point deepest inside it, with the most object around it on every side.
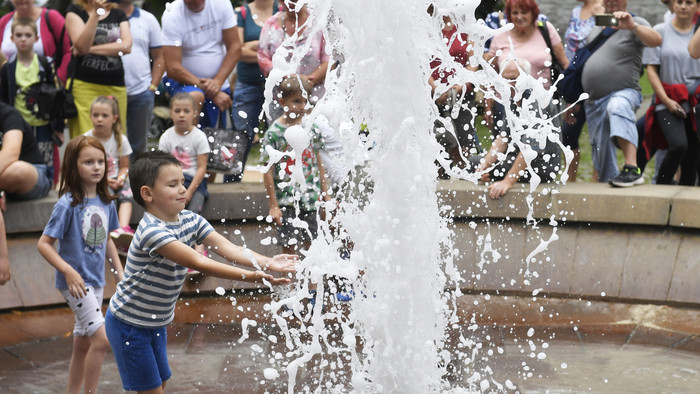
(18, 75)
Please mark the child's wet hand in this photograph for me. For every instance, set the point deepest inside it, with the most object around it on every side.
(269, 279)
(283, 263)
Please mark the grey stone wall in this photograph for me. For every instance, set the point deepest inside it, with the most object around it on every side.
(640, 243)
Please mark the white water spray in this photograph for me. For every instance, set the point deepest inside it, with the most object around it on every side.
(390, 336)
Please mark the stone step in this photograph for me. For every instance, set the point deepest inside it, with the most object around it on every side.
(638, 243)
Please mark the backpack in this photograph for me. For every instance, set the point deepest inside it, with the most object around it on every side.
(570, 86)
(48, 99)
(556, 68)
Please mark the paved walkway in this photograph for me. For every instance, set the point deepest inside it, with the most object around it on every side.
(532, 345)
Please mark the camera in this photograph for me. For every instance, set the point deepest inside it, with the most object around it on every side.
(606, 20)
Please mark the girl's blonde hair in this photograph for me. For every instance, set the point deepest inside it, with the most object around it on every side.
(70, 176)
(113, 103)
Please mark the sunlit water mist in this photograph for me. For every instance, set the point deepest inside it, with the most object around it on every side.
(390, 337)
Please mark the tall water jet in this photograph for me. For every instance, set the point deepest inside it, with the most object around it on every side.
(390, 336)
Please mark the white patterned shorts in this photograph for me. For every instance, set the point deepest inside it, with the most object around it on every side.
(88, 311)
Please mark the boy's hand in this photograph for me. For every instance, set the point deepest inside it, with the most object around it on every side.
(76, 284)
(260, 276)
(276, 214)
(282, 263)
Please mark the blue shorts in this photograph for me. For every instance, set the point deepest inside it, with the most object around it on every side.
(209, 109)
(41, 188)
(140, 353)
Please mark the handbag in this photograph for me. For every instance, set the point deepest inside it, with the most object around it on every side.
(570, 86)
(228, 148)
(48, 99)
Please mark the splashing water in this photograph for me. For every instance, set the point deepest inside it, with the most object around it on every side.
(387, 246)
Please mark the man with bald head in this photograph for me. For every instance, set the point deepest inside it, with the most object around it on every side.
(611, 79)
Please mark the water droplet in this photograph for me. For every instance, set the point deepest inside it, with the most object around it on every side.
(271, 373)
(220, 291)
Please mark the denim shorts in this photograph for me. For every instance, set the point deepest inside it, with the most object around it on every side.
(140, 353)
(41, 187)
(209, 109)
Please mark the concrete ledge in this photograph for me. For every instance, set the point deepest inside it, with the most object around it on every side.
(640, 243)
(227, 201)
(684, 209)
(578, 202)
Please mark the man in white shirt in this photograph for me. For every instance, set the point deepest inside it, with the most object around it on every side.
(140, 75)
(201, 47)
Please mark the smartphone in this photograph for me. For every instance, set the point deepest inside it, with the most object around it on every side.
(606, 20)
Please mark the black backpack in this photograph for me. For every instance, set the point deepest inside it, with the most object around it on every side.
(48, 99)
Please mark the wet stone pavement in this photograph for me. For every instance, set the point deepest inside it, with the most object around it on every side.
(524, 344)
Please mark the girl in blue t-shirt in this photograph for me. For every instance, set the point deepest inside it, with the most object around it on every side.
(81, 221)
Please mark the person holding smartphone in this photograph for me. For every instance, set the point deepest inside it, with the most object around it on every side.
(675, 77)
(611, 79)
(101, 36)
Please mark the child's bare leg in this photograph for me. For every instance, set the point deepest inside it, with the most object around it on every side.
(76, 371)
(157, 390)
(94, 358)
(573, 166)
(124, 213)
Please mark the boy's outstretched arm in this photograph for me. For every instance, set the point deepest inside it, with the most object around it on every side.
(186, 256)
(220, 245)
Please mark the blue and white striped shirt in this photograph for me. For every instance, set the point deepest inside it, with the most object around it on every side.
(152, 284)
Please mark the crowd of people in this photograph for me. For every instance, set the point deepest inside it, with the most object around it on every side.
(115, 57)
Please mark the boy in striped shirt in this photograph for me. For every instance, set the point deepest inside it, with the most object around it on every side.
(156, 266)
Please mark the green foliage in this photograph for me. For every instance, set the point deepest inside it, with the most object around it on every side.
(646, 86)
